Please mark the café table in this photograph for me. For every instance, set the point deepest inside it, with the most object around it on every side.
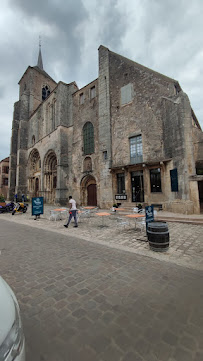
(89, 207)
(103, 214)
(88, 211)
(57, 213)
(136, 217)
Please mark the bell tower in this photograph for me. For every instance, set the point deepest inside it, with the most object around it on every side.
(34, 87)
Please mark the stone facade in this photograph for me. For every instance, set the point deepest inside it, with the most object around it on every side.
(128, 137)
(4, 175)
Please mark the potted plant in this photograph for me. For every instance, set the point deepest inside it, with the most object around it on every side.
(113, 209)
(2, 200)
(139, 207)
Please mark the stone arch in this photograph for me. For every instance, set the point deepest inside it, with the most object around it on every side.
(50, 176)
(88, 190)
(34, 173)
(87, 164)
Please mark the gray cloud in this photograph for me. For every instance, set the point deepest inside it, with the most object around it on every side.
(2, 91)
(62, 17)
(112, 24)
(163, 35)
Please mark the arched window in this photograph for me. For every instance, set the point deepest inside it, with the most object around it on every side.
(88, 138)
(33, 140)
(45, 92)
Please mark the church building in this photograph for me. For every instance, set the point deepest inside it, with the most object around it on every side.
(128, 137)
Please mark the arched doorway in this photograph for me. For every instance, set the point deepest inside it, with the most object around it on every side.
(50, 176)
(34, 173)
(91, 195)
(89, 191)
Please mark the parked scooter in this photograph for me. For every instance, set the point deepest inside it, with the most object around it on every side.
(20, 208)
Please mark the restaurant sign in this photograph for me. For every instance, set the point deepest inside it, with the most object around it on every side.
(120, 197)
(37, 206)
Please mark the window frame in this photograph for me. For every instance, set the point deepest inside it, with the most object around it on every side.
(120, 177)
(126, 94)
(5, 182)
(92, 92)
(81, 99)
(45, 92)
(136, 149)
(88, 138)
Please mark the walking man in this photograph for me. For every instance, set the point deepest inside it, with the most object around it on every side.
(72, 212)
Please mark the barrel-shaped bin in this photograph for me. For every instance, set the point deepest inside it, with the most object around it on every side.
(158, 236)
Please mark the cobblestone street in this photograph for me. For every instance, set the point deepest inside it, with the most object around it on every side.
(186, 240)
(85, 301)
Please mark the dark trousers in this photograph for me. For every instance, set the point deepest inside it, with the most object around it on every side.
(71, 215)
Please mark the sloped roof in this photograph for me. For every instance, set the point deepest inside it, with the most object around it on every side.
(5, 160)
(144, 68)
(39, 70)
(40, 62)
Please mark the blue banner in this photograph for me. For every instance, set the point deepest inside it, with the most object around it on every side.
(37, 206)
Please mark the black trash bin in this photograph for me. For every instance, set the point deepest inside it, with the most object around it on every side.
(158, 236)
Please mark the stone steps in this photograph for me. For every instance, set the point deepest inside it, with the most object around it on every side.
(194, 221)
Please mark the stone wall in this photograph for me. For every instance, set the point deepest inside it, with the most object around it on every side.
(158, 110)
(4, 175)
(142, 115)
(31, 85)
(13, 151)
(83, 113)
(51, 127)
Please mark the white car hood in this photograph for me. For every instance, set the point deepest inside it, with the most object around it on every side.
(7, 310)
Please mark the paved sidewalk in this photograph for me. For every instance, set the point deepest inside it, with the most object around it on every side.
(86, 302)
(186, 240)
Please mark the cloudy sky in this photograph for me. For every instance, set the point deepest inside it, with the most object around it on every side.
(164, 35)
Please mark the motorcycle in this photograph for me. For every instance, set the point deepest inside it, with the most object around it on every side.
(20, 208)
(7, 208)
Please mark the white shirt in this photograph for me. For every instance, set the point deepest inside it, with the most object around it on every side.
(73, 204)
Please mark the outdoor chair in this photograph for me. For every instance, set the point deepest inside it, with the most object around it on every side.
(123, 223)
(141, 223)
(55, 216)
(84, 213)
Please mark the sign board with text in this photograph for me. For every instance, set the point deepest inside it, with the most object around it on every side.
(37, 206)
(120, 197)
(149, 213)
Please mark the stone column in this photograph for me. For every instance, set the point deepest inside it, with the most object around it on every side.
(105, 142)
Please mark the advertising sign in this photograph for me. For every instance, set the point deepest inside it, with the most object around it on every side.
(121, 197)
(149, 212)
(37, 206)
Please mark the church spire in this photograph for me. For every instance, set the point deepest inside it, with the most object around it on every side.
(40, 63)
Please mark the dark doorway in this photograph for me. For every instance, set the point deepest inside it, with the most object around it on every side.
(36, 187)
(200, 187)
(54, 182)
(92, 195)
(137, 186)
